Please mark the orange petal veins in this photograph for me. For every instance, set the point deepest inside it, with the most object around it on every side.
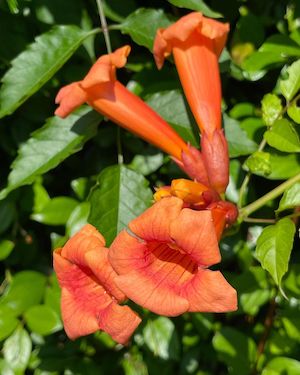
(154, 223)
(194, 233)
(89, 292)
(210, 292)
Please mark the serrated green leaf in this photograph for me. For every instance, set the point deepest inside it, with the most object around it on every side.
(142, 25)
(25, 290)
(147, 163)
(171, 106)
(50, 145)
(271, 108)
(42, 319)
(56, 212)
(17, 349)
(236, 349)
(198, 5)
(238, 142)
(259, 161)
(37, 64)
(119, 196)
(282, 365)
(290, 82)
(283, 136)
(290, 198)
(274, 247)
(161, 338)
(294, 112)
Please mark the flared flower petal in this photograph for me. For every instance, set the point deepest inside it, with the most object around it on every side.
(196, 43)
(89, 292)
(159, 265)
(105, 94)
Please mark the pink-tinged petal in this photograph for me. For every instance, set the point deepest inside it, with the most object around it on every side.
(119, 322)
(148, 292)
(210, 292)
(87, 239)
(193, 165)
(69, 98)
(154, 223)
(104, 68)
(216, 159)
(127, 253)
(194, 233)
(97, 261)
(82, 298)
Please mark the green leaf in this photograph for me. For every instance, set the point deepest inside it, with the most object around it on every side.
(5, 369)
(198, 5)
(35, 66)
(161, 338)
(78, 218)
(241, 110)
(7, 325)
(7, 215)
(259, 161)
(290, 198)
(119, 196)
(56, 212)
(41, 196)
(290, 82)
(283, 136)
(171, 106)
(282, 366)
(294, 112)
(134, 365)
(43, 320)
(142, 25)
(6, 247)
(13, 6)
(25, 290)
(50, 145)
(238, 142)
(282, 45)
(147, 163)
(17, 349)
(235, 349)
(274, 247)
(271, 108)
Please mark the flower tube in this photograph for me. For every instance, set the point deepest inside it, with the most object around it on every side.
(196, 43)
(90, 298)
(101, 90)
(163, 265)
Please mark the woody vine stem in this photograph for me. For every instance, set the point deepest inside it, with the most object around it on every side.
(105, 31)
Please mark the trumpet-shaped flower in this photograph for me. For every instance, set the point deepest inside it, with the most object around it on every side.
(196, 43)
(163, 265)
(102, 91)
(90, 298)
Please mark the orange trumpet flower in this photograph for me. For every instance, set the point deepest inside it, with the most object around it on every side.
(101, 90)
(196, 43)
(163, 266)
(90, 298)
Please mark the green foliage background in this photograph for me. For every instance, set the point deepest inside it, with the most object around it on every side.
(58, 174)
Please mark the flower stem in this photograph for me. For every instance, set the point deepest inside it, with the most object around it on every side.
(247, 210)
(104, 25)
(258, 220)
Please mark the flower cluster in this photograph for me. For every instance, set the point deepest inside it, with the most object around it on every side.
(163, 262)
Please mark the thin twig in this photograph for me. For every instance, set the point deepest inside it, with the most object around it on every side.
(104, 25)
(259, 220)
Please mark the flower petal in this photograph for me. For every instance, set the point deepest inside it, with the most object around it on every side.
(154, 223)
(69, 98)
(127, 253)
(210, 292)
(104, 68)
(148, 292)
(119, 322)
(194, 233)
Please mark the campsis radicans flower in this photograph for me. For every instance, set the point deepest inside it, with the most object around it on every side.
(196, 43)
(163, 265)
(102, 91)
(90, 298)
